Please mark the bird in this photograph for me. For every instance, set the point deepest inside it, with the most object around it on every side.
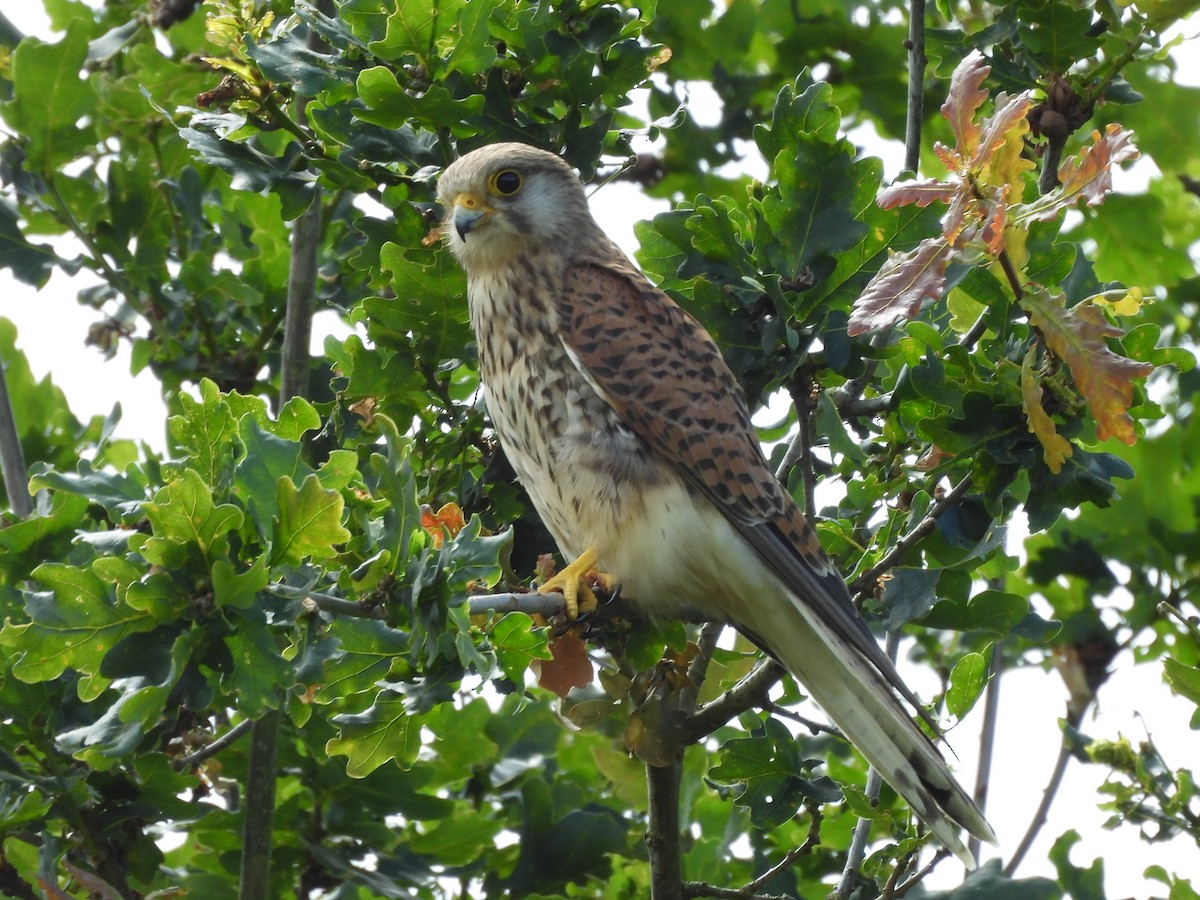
(633, 440)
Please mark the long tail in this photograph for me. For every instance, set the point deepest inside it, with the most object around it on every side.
(862, 703)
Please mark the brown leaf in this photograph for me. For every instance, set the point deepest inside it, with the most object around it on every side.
(922, 193)
(1087, 175)
(1078, 336)
(901, 285)
(1055, 448)
(569, 665)
(965, 97)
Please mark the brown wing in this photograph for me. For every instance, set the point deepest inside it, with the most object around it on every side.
(664, 376)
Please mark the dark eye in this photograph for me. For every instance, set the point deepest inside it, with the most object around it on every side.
(506, 182)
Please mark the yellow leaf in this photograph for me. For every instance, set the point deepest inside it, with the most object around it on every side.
(1079, 337)
(1120, 302)
(1055, 448)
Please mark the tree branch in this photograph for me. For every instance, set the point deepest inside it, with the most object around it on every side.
(751, 692)
(1073, 718)
(916, 85)
(810, 841)
(12, 457)
(215, 746)
(259, 808)
(987, 740)
(662, 831)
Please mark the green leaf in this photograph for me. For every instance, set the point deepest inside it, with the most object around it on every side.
(1184, 680)
(310, 521)
(967, 681)
(205, 431)
(373, 737)
(257, 673)
(49, 97)
(1081, 884)
(73, 626)
(517, 642)
(458, 839)
(183, 514)
(367, 652)
(391, 106)
(994, 611)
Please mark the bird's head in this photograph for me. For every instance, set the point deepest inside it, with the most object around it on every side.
(506, 199)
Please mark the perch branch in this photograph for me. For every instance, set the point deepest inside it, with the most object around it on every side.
(987, 740)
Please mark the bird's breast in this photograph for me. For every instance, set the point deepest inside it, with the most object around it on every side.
(583, 468)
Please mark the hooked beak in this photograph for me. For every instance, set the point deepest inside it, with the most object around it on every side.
(469, 211)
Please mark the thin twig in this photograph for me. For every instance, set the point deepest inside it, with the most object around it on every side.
(813, 726)
(920, 876)
(987, 740)
(698, 890)
(215, 746)
(862, 828)
(1073, 718)
(810, 841)
(865, 583)
(916, 85)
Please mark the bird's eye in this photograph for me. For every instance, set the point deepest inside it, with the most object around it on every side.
(506, 182)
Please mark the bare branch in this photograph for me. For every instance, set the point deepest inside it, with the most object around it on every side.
(909, 884)
(749, 693)
(1073, 718)
(810, 841)
(987, 740)
(12, 457)
(916, 85)
(698, 889)
(215, 746)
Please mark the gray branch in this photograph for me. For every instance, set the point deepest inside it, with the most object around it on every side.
(12, 457)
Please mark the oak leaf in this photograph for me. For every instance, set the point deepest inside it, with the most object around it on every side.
(1055, 448)
(901, 285)
(1079, 337)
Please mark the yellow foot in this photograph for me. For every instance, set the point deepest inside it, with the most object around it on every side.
(573, 583)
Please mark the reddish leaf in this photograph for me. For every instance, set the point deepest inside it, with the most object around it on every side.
(1078, 336)
(1055, 448)
(568, 667)
(964, 99)
(1089, 173)
(1087, 176)
(994, 221)
(901, 285)
(922, 193)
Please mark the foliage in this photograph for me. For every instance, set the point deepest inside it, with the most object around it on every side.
(954, 372)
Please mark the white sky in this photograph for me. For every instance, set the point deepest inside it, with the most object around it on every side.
(52, 328)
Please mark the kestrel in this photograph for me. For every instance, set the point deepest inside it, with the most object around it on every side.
(633, 439)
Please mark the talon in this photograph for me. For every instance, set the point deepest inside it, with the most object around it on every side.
(572, 581)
